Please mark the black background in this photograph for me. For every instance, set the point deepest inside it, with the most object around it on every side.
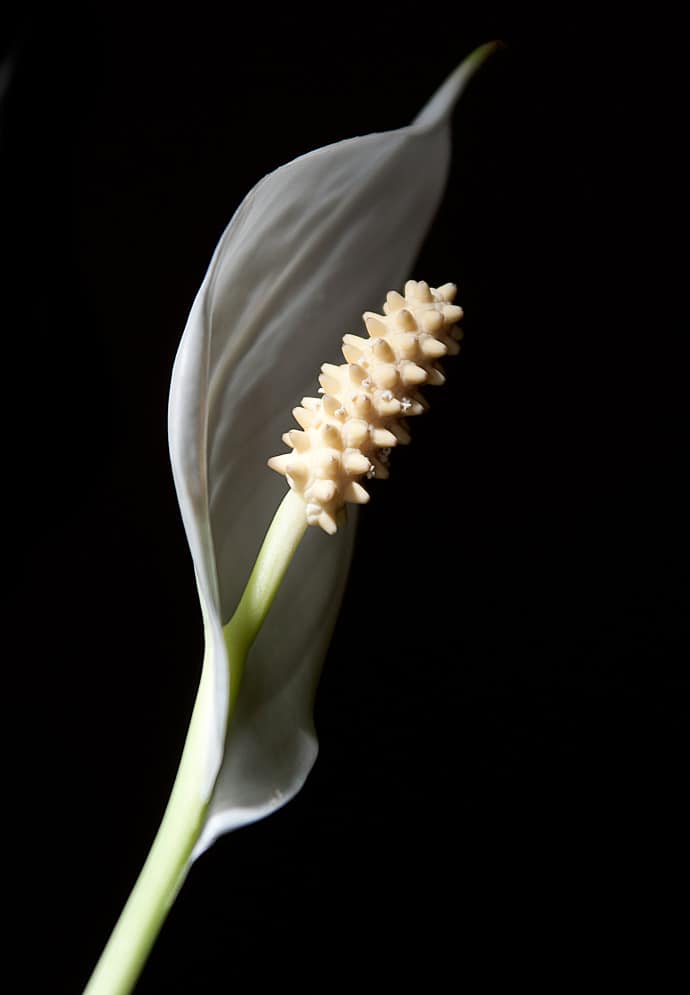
(503, 764)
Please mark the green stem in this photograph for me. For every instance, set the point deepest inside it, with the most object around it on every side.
(279, 546)
(167, 864)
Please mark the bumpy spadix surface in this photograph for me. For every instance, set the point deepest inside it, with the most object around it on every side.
(347, 434)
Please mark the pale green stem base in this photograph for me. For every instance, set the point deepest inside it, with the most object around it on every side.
(282, 539)
(169, 859)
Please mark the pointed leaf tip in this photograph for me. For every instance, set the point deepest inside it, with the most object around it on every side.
(441, 104)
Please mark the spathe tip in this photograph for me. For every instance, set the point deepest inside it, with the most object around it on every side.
(441, 104)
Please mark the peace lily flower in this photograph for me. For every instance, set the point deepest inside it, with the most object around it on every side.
(311, 245)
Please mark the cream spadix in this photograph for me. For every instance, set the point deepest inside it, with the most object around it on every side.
(348, 432)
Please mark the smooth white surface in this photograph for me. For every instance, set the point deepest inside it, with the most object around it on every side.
(312, 246)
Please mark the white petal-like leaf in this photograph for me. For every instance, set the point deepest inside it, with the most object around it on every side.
(312, 246)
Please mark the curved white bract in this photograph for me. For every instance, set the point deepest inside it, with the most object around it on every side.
(311, 244)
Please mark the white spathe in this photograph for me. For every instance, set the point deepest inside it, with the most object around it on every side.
(312, 246)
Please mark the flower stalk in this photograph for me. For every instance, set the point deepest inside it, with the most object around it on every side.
(170, 857)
